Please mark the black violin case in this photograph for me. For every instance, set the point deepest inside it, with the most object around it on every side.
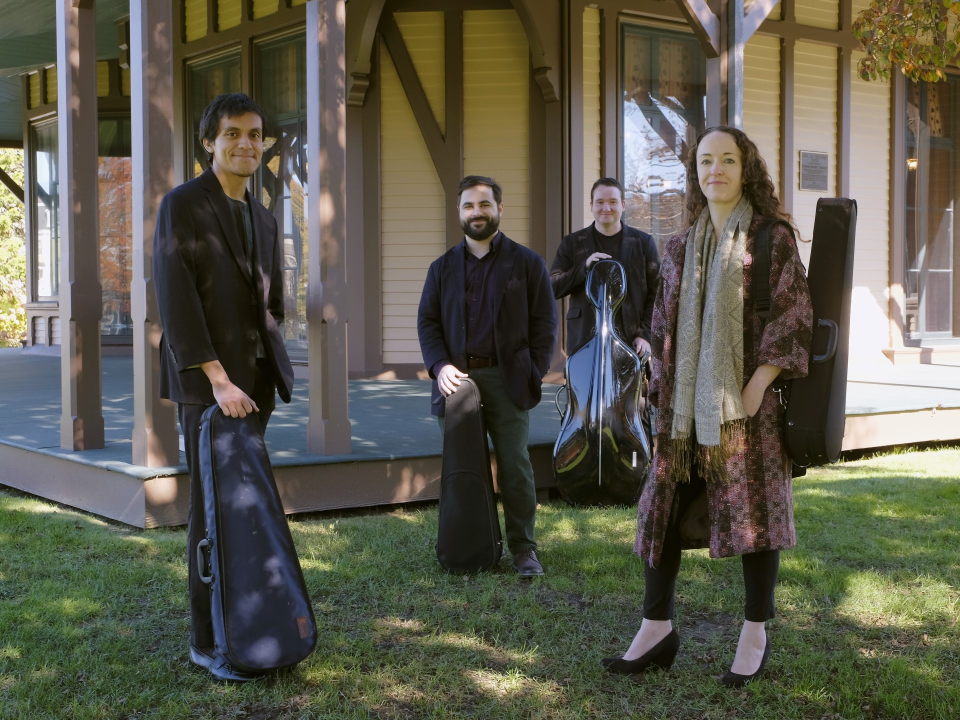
(468, 539)
(262, 617)
(816, 409)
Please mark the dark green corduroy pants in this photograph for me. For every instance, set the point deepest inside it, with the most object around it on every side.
(509, 428)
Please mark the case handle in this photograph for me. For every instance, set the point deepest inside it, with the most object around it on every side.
(831, 340)
(202, 560)
(556, 400)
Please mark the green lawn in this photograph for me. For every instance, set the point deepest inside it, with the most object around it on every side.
(94, 618)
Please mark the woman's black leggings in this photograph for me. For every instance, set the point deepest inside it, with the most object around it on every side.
(759, 569)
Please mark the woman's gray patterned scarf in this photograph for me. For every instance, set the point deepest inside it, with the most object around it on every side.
(706, 395)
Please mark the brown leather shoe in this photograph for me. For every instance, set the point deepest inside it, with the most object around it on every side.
(526, 564)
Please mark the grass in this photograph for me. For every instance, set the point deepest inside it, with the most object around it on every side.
(94, 616)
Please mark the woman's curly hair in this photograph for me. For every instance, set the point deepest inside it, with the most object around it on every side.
(757, 185)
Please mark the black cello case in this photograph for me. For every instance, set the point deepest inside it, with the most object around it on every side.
(468, 539)
(262, 617)
(816, 409)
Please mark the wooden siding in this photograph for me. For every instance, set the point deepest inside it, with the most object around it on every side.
(413, 219)
(591, 107)
(51, 78)
(761, 100)
(194, 19)
(35, 99)
(262, 8)
(819, 13)
(496, 110)
(125, 81)
(870, 187)
(229, 13)
(423, 34)
(815, 128)
(103, 78)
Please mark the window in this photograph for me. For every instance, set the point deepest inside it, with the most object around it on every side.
(932, 300)
(115, 186)
(208, 78)
(46, 211)
(664, 104)
(282, 93)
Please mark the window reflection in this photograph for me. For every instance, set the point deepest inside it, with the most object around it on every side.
(931, 190)
(281, 69)
(209, 78)
(664, 97)
(46, 220)
(115, 185)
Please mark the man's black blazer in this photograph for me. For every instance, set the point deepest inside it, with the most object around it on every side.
(525, 329)
(640, 259)
(210, 306)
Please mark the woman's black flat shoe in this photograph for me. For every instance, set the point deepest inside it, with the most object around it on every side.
(735, 680)
(660, 656)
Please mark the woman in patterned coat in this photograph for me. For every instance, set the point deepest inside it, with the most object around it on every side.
(721, 477)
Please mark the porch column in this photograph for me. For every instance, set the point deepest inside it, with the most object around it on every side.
(81, 300)
(328, 427)
(155, 440)
(735, 43)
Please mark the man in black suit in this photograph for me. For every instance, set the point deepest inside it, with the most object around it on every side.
(487, 312)
(217, 269)
(607, 238)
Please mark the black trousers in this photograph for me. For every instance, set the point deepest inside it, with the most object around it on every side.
(265, 396)
(759, 568)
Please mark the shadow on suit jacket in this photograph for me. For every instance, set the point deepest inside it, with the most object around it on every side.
(525, 329)
(640, 259)
(210, 306)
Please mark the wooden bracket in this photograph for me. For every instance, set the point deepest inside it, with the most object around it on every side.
(705, 25)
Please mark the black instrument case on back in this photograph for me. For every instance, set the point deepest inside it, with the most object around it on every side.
(262, 617)
(816, 409)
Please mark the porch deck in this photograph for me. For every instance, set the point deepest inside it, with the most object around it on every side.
(396, 443)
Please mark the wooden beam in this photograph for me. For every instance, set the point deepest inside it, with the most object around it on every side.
(806, 33)
(451, 170)
(80, 295)
(759, 11)
(844, 120)
(787, 155)
(705, 25)
(328, 427)
(11, 185)
(155, 442)
(735, 43)
(898, 203)
(416, 95)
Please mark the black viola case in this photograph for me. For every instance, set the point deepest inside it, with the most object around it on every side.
(262, 617)
(816, 412)
(468, 539)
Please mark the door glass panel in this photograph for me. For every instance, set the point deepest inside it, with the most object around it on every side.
(115, 185)
(46, 220)
(281, 84)
(664, 101)
(207, 79)
(931, 193)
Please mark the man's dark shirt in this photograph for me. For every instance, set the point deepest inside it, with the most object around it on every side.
(479, 288)
(609, 244)
(241, 213)
(479, 294)
(612, 245)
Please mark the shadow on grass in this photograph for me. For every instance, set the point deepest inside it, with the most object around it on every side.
(94, 618)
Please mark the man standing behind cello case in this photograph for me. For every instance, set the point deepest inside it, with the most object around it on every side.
(607, 238)
(486, 312)
(217, 268)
